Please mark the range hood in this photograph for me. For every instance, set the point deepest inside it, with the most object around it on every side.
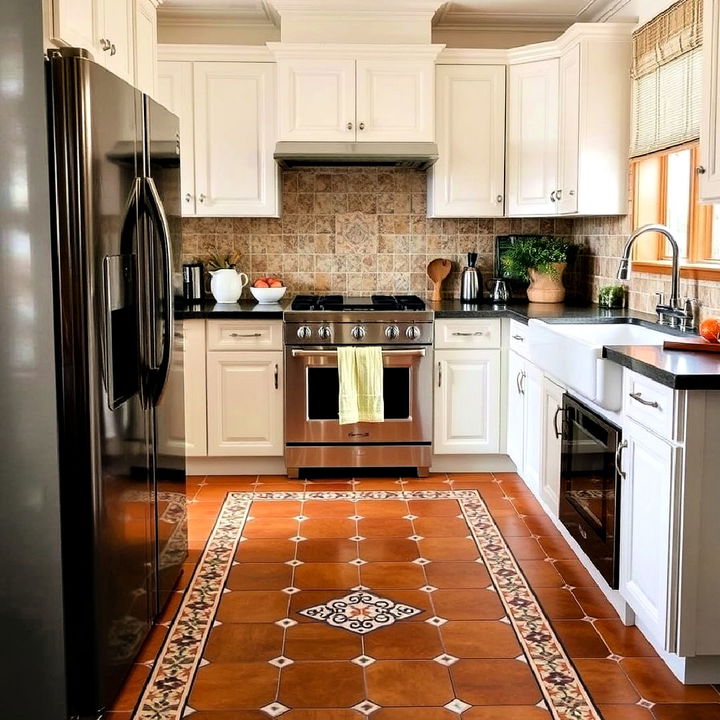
(418, 155)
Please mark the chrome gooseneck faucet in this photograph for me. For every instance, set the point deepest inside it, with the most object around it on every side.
(670, 313)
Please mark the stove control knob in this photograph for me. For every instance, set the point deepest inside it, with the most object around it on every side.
(392, 331)
(324, 332)
(304, 332)
(358, 332)
(413, 332)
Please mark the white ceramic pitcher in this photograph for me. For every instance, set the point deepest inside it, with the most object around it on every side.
(226, 284)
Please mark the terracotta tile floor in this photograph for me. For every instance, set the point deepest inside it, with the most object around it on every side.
(405, 545)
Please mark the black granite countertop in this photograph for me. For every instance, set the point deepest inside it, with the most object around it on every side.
(245, 309)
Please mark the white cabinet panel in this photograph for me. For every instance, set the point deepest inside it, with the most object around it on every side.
(469, 177)
(316, 100)
(532, 390)
(467, 402)
(146, 47)
(532, 138)
(195, 388)
(515, 410)
(645, 541)
(75, 22)
(710, 132)
(569, 131)
(551, 445)
(117, 20)
(235, 173)
(171, 410)
(175, 92)
(395, 100)
(245, 403)
(464, 334)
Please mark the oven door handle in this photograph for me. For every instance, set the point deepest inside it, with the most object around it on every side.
(618, 458)
(296, 352)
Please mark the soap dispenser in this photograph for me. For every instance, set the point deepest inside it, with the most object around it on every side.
(471, 281)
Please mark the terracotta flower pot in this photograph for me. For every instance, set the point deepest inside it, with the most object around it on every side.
(547, 287)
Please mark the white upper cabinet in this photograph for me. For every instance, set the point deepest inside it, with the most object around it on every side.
(710, 132)
(74, 23)
(468, 178)
(317, 100)
(569, 131)
(395, 100)
(114, 41)
(146, 47)
(532, 139)
(175, 92)
(234, 128)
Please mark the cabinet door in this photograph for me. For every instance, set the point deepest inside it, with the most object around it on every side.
(551, 445)
(395, 101)
(75, 24)
(195, 388)
(710, 133)
(118, 21)
(569, 131)
(316, 100)
(468, 178)
(515, 410)
(245, 403)
(235, 173)
(467, 402)
(645, 539)
(532, 387)
(175, 92)
(146, 47)
(532, 138)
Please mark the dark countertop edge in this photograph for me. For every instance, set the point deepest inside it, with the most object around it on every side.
(243, 310)
(622, 355)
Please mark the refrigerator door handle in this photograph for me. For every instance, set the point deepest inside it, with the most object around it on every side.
(160, 223)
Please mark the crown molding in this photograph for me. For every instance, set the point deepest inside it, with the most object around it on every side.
(210, 17)
(213, 53)
(352, 7)
(283, 51)
(463, 56)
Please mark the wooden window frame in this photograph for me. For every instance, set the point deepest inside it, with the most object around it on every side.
(649, 257)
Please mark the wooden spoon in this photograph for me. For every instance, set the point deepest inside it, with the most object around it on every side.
(437, 271)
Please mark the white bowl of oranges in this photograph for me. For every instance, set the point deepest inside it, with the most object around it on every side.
(267, 290)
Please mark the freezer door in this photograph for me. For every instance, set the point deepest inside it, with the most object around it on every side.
(107, 494)
(162, 147)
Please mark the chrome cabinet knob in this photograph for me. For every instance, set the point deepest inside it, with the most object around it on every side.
(349, 126)
(558, 195)
(392, 331)
(104, 44)
(358, 332)
(700, 170)
(201, 197)
(304, 332)
(324, 332)
(112, 49)
(361, 126)
(499, 199)
(188, 197)
(413, 332)
(552, 196)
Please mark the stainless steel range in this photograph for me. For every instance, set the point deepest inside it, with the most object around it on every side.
(314, 327)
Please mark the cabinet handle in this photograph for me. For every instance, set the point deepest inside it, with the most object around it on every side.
(104, 44)
(700, 170)
(522, 382)
(518, 382)
(349, 126)
(571, 193)
(277, 376)
(439, 374)
(618, 458)
(518, 337)
(188, 197)
(361, 126)
(638, 396)
(499, 199)
(468, 334)
(112, 49)
(552, 196)
(558, 195)
(558, 433)
(245, 335)
(201, 197)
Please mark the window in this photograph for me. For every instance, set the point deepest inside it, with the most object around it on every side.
(665, 190)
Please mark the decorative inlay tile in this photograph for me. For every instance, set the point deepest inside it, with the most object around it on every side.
(479, 561)
(357, 538)
(204, 662)
(189, 711)
(290, 590)
(274, 709)
(446, 659)
(410, 517)
(457, 706)
(286, 622)
(645, 703)
(360, 587)
(416, 537)
(355, 517)
(300, 518)
(616, 658)
(281, 661)
(366, 707)
(589, 619)
(436, 621)
(428, 588)
(363, 660)
(357, 561)
(521, 658)
(294, 563)
(421, 561)
(297, 538)
(360, 612)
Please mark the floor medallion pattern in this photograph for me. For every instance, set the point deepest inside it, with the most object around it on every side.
(362, 611)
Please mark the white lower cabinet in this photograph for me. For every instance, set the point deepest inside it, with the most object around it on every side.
(467, 401)
(645, 540)
(551, 426)
(194, 354)
(245, 403)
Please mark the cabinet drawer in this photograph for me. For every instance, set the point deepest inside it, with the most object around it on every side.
(518, 338)
(650, 404)
(460, 334)
(244, 335)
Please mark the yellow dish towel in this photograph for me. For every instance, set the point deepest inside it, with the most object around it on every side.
(360, 373)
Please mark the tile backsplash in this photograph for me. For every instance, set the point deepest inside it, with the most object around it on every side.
(356, 231)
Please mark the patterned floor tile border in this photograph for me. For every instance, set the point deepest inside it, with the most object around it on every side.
(165, 694)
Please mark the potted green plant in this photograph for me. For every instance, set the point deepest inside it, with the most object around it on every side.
(541, 261)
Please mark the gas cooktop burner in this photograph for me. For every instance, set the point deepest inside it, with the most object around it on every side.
(375, 302)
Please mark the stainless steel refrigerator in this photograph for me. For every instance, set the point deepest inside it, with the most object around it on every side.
(115, 167)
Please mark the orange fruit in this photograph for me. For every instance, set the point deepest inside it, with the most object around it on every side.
(710, 329)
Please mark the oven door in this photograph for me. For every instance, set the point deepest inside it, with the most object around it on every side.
(312, 391)
(589, 492)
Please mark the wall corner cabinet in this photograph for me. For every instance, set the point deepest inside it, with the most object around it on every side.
(710, 131)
